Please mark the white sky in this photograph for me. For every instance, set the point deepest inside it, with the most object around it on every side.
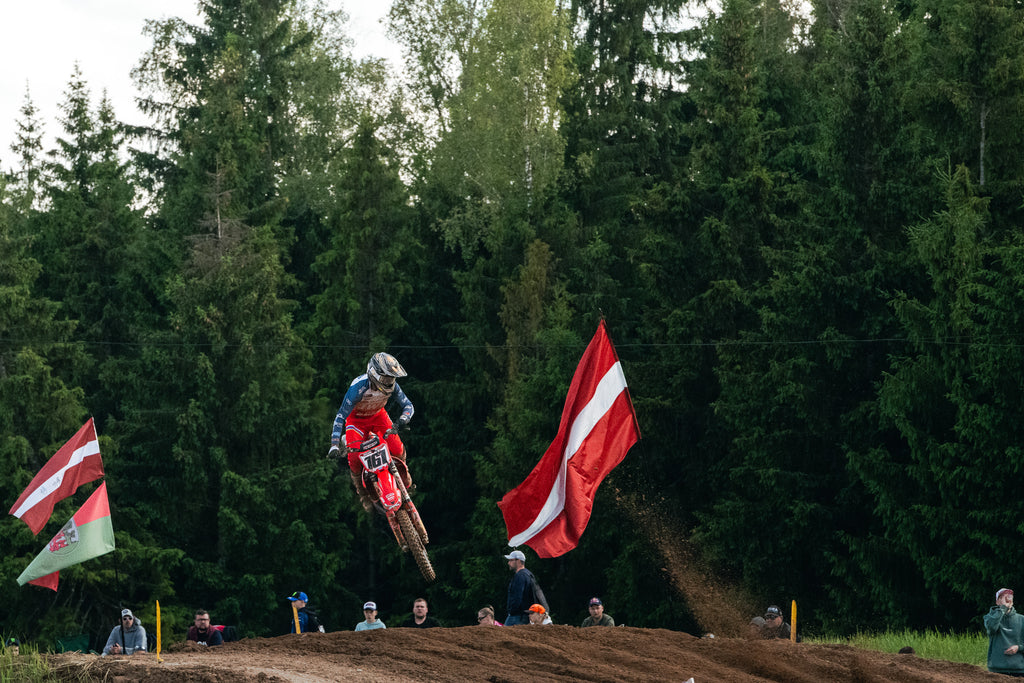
(40, 41)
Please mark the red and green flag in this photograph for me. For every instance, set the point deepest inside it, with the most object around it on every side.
(88, 534)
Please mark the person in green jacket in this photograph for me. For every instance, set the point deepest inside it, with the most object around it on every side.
(1005, 629)
(597, 616)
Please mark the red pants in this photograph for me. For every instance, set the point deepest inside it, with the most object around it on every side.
(360, 427)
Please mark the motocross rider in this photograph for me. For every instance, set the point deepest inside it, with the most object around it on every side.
(362, 413)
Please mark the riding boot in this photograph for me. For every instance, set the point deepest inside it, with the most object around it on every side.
(364, 496)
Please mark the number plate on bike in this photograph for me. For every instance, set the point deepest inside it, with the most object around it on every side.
(376, 458)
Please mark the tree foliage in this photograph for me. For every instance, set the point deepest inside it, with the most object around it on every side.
(803, 231)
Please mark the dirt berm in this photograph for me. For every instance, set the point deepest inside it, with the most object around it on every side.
(518, 654)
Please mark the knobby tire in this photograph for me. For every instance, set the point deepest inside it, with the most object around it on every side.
(416, 547)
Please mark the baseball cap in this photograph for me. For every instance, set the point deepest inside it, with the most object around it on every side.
(370, 605)
(539, 609)
(772, 612)
(12, 641)
(516, 555)
(127, 613)
(595, 601)
(1001, 591)
(298, 595)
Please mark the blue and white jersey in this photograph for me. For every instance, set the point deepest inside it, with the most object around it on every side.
(363, 400)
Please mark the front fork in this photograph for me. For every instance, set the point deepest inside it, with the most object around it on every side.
(408, 506)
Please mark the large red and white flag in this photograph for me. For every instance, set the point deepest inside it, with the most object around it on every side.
(550, 509)
(77, 462)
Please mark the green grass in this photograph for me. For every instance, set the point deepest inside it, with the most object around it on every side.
(27, 667)
(969, 648)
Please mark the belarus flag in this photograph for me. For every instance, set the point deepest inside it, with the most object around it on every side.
(87, 535)
(77, 462)
(551, 508)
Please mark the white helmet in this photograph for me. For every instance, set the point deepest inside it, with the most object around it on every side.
(383, 370)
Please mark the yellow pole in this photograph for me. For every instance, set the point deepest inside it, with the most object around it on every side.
(295, 615)
(792, 623)
(158, 659)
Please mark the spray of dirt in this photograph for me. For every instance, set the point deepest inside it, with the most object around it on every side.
(719, 608)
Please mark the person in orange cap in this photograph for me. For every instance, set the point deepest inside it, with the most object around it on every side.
(539, 616)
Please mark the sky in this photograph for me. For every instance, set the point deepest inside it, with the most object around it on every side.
(41, 40)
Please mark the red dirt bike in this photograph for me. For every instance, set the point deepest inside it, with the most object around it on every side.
(380, 476)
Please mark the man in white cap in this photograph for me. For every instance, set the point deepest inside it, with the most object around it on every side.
(523, 590)
(126, 638)
(371, 622)
(1005, 636)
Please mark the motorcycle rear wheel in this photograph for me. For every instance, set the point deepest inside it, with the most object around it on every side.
(416, 547)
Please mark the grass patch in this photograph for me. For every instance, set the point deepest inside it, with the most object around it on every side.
(27, 667)
(970, 648)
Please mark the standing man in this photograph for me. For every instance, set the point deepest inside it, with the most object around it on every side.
(201, 632)
(1005, 629)
(308, 621)
(597, 616)
(419, 618)
(371, 622)
(523, 590)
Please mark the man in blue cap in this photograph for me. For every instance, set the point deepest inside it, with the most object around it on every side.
(308, 621)
(597, 616)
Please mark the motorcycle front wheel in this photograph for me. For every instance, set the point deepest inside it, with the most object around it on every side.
(416, 547)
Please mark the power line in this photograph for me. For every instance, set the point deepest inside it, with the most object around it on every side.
(938, 341)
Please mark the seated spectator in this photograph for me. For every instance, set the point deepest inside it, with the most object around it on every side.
(370, 622)
(128, 637)
(597, 616)
(756, 625)
(308, 621)
(201, 632)
(13, 645)
(774, 626)
(419, 618)
(539, 616)
(485, 617)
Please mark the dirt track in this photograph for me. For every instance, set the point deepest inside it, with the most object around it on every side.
(520, 654)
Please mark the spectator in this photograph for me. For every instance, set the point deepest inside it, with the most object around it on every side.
(523, 590)
(774, 626)
(419, 618)
(1005, 626)
(539, 616)
(756, 626)
(597, 616)
(201, 632)
(485, 617)
(308, 621)
(128, 637)
(13, 645)
(371, 622)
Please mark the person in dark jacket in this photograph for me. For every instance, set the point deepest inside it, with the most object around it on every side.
(419, 618)
(1005, 627)
(774, 626)
(201, 632)
(308, 622)
(522, 590)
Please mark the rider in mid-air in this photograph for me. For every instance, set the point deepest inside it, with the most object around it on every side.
(362, 413)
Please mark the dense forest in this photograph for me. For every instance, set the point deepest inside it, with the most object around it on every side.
(802, 223)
